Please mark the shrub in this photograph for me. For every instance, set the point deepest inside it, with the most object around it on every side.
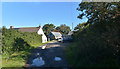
(13, 40)
(97, 45)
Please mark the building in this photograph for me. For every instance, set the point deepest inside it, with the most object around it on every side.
(32, 29)
(70, 33)
(67, 36)
(54, 35)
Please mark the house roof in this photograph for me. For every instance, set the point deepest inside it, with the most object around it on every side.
(56, 33)
(70, 33)
(27, 29)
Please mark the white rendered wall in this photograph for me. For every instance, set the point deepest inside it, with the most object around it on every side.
(44, 38)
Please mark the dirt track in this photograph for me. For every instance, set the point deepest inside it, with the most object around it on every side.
(53, 49)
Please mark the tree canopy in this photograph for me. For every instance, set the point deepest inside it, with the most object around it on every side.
(80, 26)
(47, 28)
(97, 45)
(99, 11)
(64, 29)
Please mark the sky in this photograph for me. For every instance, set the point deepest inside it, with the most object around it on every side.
(33, 14)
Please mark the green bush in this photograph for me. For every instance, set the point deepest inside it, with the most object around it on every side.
(97, 45)
(15, 41)
(20, 45)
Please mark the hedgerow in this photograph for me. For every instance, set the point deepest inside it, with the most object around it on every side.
(15, 41)
(96, 46)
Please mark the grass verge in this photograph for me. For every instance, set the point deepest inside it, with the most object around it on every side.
(18, 59)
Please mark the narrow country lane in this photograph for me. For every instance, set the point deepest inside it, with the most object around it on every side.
(52, 50)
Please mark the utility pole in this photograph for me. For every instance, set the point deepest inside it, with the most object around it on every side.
(72, 26)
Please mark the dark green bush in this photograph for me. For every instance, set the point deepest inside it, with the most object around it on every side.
(20, 45)
(97, 45)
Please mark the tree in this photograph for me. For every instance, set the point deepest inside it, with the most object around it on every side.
(80, 26)
(99, 11)
(3, 30)
(47, 28)
(63, 29)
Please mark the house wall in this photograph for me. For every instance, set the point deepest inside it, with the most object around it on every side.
(44, 38)
(51, 36)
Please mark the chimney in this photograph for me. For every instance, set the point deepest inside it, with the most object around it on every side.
(39, 26)
(11, 27)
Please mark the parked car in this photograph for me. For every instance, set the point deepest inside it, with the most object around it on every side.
(60, 39)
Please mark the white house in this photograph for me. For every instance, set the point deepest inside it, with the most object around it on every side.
(33, 29)
(55, 35)
(44, 38)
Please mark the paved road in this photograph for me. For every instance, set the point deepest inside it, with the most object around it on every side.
(53, 49)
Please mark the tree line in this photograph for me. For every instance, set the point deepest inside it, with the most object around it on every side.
(63, 29)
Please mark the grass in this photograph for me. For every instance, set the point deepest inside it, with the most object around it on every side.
(70, 54)
(14, 62)
(40, 44)
(18, 59)
(0, 60)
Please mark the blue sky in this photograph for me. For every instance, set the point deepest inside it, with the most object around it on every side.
(31, 14)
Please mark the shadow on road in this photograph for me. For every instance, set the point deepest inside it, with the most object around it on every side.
(52, 50)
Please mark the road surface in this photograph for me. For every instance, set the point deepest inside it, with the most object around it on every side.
(52, 50)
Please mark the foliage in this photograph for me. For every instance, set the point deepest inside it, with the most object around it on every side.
(20, 45)
(97, 45)
(47, 28)
(13, 40)
(50, 27)
(63, 29)
(17, 46)
(99, 11)
(0, 47)
(80, 26)
(17, 59)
